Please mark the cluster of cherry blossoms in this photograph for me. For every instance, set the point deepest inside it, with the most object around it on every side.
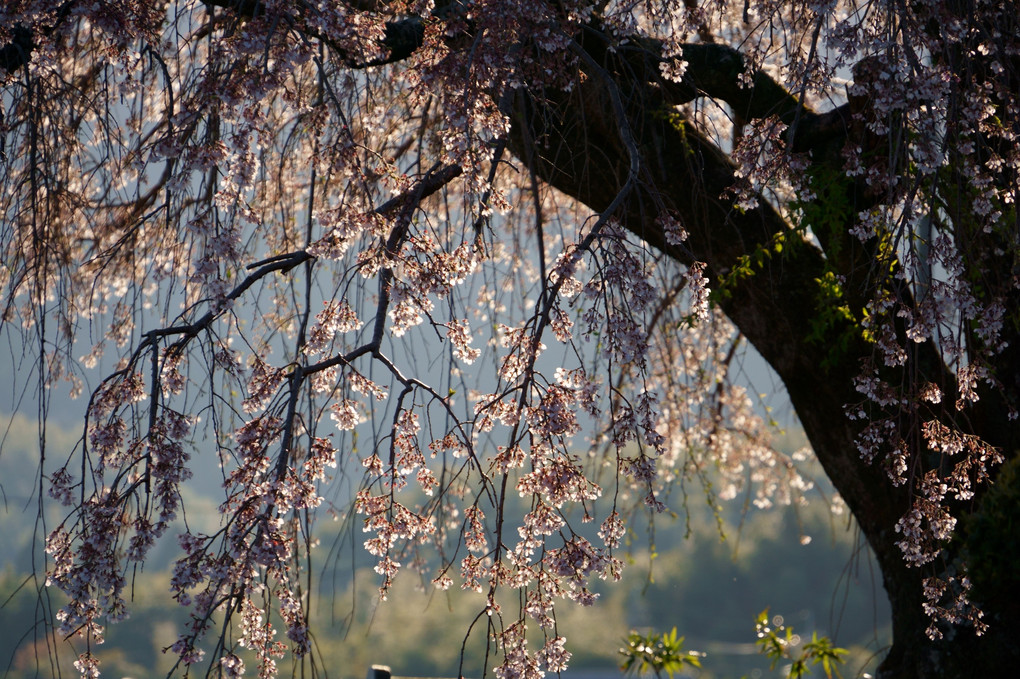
(308, 232)
(213, 146)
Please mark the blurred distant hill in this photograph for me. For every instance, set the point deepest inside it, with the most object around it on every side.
(709, 573)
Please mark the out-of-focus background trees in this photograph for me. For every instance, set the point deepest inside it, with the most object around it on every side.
(708, 577)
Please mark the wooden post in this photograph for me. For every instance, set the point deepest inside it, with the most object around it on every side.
(379, 672)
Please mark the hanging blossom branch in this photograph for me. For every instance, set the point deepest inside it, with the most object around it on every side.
(256, 545)
(876, 234)
(544, 414)
(91, 573)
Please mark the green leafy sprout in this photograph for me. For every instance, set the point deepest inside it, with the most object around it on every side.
(663, 653)
(778, 642)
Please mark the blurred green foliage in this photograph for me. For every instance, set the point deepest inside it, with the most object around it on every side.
(706, 586)
(663, 653)
(681, 572)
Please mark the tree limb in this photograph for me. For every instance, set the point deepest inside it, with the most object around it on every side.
(714, 70)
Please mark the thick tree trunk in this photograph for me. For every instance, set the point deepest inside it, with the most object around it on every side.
(585, 154)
